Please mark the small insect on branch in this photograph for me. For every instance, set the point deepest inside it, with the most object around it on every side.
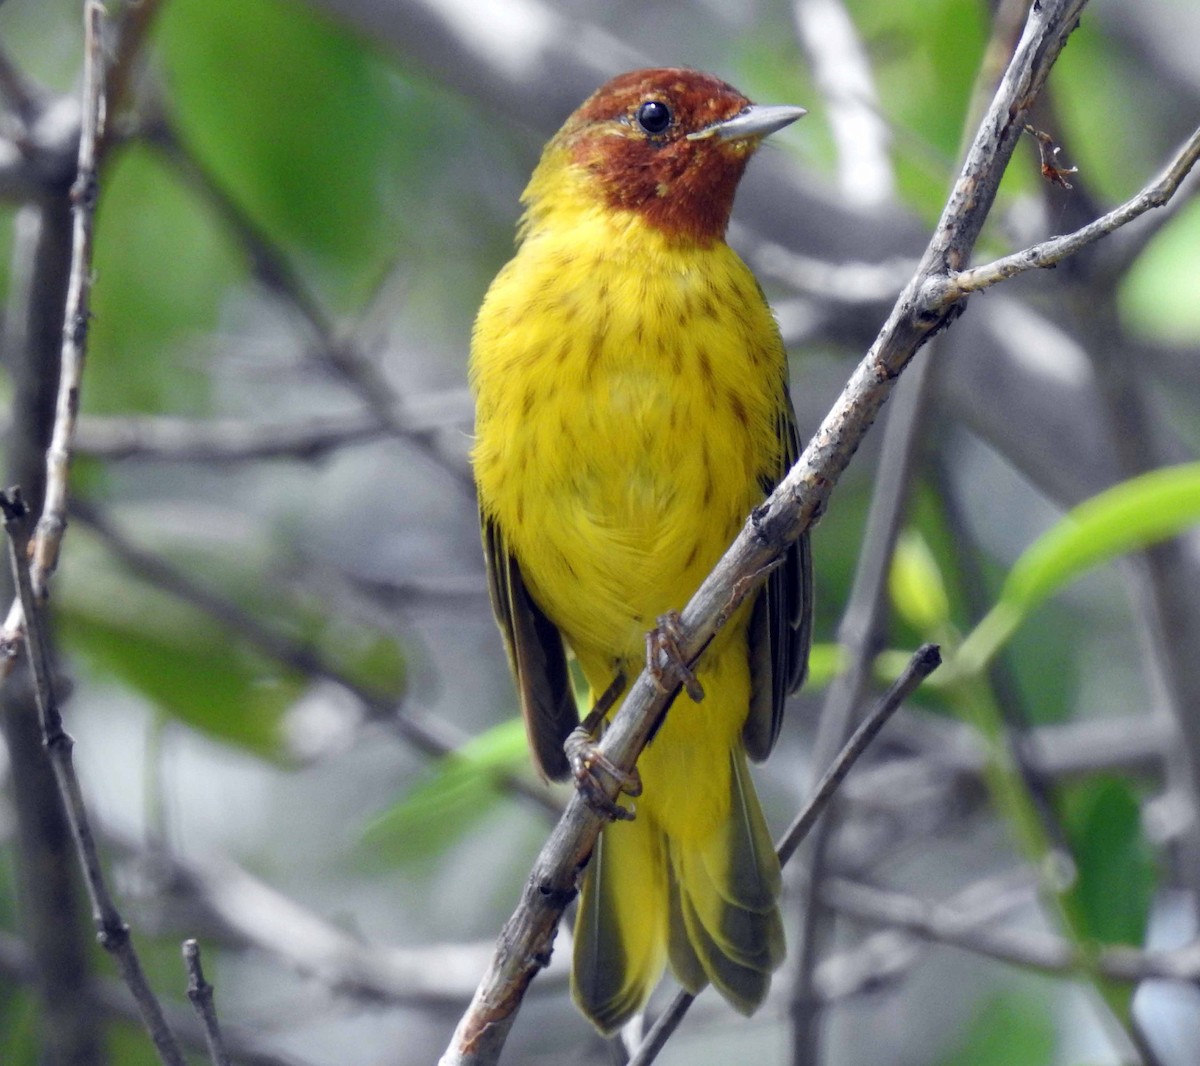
(1048, 152)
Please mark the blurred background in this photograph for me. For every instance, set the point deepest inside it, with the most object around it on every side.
(271, 611)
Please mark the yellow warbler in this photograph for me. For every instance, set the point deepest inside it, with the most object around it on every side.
(632, 409)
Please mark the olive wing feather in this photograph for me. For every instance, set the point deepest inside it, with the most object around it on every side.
(535, 653)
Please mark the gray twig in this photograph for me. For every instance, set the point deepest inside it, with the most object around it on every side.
(53, 521)
(112, 931)
(341, 355)
(109, 998)
(1029, 948)
(200, 992)
(951, 288)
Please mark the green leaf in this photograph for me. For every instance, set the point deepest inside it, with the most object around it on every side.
(1015, 1029)
(307, 129)
(1115, 869)
(825, 662)
(162, 271)
(1158, 294)
(1125, 518)
(917, 589)
(174, 655)
(450, 799)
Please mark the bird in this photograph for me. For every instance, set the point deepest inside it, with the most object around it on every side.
(632, 409)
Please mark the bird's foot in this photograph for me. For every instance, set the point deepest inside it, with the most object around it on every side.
(587, 761)
(663, 641)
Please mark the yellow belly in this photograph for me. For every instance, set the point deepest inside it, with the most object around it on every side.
(626, 399)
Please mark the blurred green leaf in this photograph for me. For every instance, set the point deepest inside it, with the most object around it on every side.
(1158, 295)
(1125, 518)
(19, 1044)
(162, 270)
(825, 662)
(451, 798)
(177, 657)
(371, 659)
(915, 582)
(1011, 1030)
(1115, 867)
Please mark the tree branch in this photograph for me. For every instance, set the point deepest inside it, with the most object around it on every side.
(200, 992)
(958, 284)
(111, 929)
(1028, 948)
(53, 521)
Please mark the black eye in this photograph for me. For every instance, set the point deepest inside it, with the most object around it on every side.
(654, 116)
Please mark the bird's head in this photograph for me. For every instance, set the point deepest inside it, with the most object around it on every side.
(669, 144)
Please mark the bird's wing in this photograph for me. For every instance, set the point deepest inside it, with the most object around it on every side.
(536, 654)
(781, 626)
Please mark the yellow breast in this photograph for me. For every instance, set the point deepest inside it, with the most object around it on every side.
(627, 389)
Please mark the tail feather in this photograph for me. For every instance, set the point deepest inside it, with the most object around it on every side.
(621, 928)
(729, 888)
(744, 987)
(708, 906)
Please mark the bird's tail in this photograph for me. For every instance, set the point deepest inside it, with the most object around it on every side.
(708, 906)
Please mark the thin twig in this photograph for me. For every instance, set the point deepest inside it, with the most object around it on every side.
(1049, 253)
(1028, 948)
(17, 91)
(53, 521)
(132, 29)
(341, 355)
(231, 440)
(925, 660)
(200, 992)
(435, 737)
(526, 941)
(108, 998)
(861, 634)
(112, 931)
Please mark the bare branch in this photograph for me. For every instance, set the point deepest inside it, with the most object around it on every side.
(341, 355)
(1049, 253)
(110, 998)
(53, 521)
(200, 992)
(167, 438)
(427, 734)
(112, 931)
(1028, 948)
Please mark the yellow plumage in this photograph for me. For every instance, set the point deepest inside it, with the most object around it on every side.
(631, 410)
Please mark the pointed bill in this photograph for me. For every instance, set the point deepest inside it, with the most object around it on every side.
(758, 120)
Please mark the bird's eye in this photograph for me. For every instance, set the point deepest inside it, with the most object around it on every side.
(654, 116)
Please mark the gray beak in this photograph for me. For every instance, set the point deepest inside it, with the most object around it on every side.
(757, 120)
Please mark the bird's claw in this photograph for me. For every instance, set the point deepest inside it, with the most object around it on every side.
(663, 641)
(586, 760)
